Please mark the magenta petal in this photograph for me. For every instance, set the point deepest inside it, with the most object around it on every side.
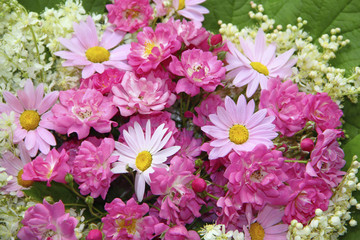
(48, 101)
(13, 102)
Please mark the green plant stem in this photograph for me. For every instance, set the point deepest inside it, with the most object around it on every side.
(299, 161)
(212, 196)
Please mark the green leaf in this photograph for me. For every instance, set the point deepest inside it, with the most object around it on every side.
(39, 5)
(95, 6)
(57, 191)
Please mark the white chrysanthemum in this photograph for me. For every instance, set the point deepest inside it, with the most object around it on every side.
(142, 152)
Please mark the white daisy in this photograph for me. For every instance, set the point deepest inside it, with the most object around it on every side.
(142, 152)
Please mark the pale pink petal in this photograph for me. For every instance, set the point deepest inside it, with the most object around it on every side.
(13, 102)
(86, 33)
(46, 136)
(139, 187)
(30, 140)
(39, 94)
(88, 71)
(111, 38)
(48, 101)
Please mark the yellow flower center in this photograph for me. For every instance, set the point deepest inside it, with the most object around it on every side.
(29, 120)
(21, 182)
(238, 134)
(256, 231)
(260, 68)
(97, 54)
(181, 4)
(143, 160)
(129, 225)
(148, 47)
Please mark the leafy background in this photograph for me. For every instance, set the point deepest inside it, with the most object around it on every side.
(322, 15)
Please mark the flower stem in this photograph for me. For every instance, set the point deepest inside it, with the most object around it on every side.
(299, 161)
(212, 196)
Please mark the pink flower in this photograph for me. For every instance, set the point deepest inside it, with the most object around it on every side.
(91, 167)
(230, 214)
(14, 167)
(86, 50)
(178, 203)
(200, 69)
(236, 127)
(284, 101)
(179, 232)
(258, 65)
(53, 167)
(127, 221)
(129, 15)
(103, 82)
(267, 225)
(46, 221)
(327, 158)
(257, 177)
(152, 48)
(144, 95)
(308, 195)
(94, 234)
(188, 32)
(81, 109)
(190, 146)
(191, 9)
(31, 117)
(323, 111)
(208, 106)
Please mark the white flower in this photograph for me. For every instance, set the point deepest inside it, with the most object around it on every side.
(141, 152)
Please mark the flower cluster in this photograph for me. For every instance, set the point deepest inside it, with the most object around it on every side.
(160, 129)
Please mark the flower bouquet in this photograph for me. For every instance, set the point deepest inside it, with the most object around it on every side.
(179, 119)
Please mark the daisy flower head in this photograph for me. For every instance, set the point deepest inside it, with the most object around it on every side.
(259, 63)
(31, 117)
(191, 9)
(236, 127)
(142, 151)
(86, 50)
(267, 224)
(14, 167)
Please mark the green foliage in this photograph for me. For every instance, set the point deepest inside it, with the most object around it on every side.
(39, 5)
(95, 6)
(90, 6)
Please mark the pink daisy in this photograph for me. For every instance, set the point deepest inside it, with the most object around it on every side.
(236, 127)
(267, 225)
(258, 65)
(142, 152)
(14, 167)
(31, 117)
(191, 9)
(86, 50)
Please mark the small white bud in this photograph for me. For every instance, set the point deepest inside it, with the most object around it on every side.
(353, 223)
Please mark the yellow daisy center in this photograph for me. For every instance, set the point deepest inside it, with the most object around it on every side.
(143, 160)
(97, 54)
(29, 120)
(21, 182)
(148, 47)
(129, 225)
(238, 134)
(181, 4)
(259, 67)
(256, 231)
